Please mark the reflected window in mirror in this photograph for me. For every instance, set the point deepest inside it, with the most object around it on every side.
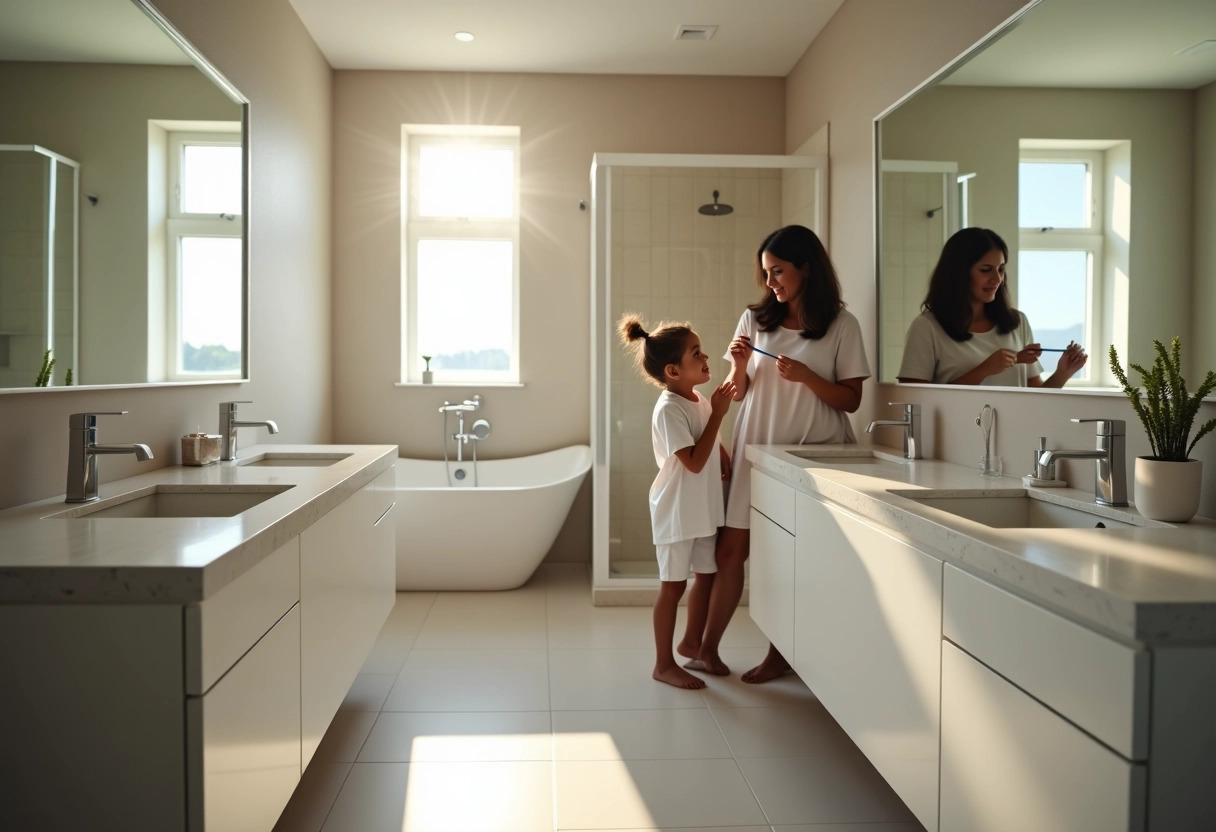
(460, 286)
(203, 233)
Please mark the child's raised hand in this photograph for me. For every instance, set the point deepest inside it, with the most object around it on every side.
(720, 399)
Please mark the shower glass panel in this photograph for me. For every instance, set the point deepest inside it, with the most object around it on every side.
(38, 264)
(657, 254)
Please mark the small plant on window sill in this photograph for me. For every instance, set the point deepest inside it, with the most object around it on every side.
(427, 378)
(44, 375)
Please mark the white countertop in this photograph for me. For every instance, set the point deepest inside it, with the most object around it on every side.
(1151, 585)
(173, 560)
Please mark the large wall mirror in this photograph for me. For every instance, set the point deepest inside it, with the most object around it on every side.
(123, 202)
(1084, 134)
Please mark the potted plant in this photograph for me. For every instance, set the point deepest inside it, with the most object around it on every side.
(1167, 482)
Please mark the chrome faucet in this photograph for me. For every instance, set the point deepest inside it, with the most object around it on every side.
(1110, 482)
(229, 424)
(481, 428)
(82, 455)
(911, 425)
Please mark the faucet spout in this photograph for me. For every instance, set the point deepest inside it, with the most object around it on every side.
(1110, 476)
(142, 452)
(83, 451)
(228, 425)
(911, 425)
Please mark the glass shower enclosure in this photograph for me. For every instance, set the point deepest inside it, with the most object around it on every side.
(39, 227)
(665, 246)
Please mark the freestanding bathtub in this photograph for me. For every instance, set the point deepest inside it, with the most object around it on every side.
(492, 536)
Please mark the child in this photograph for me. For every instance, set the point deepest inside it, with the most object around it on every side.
(686, 499)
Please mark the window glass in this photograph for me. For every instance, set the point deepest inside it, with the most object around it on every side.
(1053, 293)
(465, 291)
(210, 304)
(211, 179)
(1053, 195)
(457, 181)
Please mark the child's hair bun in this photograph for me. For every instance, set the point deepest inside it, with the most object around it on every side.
(631, 328)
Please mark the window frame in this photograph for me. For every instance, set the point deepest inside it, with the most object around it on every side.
(416, 228)
(180, 224)
(1089, 239)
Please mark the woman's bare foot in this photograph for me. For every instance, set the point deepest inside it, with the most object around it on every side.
(678, 677)
(687, 650)
(708, 664)
(773, 666)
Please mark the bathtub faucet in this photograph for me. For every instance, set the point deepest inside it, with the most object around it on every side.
(481, 428)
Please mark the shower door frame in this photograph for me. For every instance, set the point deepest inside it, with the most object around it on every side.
(606, 589)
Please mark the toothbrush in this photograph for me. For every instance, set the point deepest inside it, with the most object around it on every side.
(762, 352)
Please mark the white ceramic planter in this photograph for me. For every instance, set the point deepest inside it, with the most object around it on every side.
(427, 376)
(1168, 491)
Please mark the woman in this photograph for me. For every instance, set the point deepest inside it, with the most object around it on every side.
(968, 332)
(797, 366)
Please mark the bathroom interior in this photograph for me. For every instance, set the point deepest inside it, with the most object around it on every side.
(614, 163)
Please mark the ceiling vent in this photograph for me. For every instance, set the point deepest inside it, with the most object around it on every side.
(693, 32)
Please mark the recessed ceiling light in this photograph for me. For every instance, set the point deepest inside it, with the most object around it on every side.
(464, 37)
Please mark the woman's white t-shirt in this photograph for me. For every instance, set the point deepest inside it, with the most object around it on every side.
(932, 355)
(777, 411)
(683, 505)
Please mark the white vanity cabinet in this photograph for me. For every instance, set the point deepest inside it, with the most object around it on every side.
(771, 575)
(193, 716)
(867, 641)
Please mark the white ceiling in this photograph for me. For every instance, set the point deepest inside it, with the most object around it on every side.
(754, 37)
(88, 31)
(1101, 44)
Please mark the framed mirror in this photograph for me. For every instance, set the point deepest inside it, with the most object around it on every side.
(123, 202)
(1084, 134)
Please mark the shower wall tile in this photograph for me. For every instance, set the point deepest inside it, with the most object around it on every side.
(660, 185)
(660, 225)
(660, 271)
(637, 192)
(744, 195)
(637, 228)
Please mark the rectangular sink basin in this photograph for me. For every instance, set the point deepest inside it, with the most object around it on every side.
(176, 501)
(271, 459)
(1021, 510)
(866, 456)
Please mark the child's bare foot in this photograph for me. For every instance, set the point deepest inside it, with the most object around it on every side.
(708, 664)
(678, 677)
(688, 650)
(773, 666)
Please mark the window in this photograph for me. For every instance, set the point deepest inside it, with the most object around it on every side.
(204, 253)
(1059, 252)
(460, 244)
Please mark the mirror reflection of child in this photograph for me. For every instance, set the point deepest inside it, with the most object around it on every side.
(969, 333)
(686, 499)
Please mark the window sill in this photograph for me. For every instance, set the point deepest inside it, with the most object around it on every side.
(463, 384)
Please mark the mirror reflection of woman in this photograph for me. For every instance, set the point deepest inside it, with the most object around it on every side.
(968, 332)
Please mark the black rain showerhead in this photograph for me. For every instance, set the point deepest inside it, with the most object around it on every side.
(718, 209)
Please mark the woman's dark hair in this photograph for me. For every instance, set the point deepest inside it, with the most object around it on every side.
(819, 298)
(664, 346)
(949, 297)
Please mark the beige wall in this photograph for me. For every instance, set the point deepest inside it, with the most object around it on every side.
(979, 127)
(1205, 229)
(97, 115)
(563, 121)
(265, 51)
(871, 54)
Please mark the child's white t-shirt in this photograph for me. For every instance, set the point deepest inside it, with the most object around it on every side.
(683, 505)
(932, 355)
(777, 411)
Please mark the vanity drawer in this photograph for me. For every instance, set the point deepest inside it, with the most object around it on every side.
(222, 628)
(1008, 764)
(243, 737)
(1096, 682)
(773, 499)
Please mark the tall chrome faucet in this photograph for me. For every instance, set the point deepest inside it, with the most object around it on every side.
(911, 425)
(82, 455)
(229, 424)
(1110, 481)
(481, 429)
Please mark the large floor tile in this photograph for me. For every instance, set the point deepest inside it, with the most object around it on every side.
(313, 797)
(803, 730)
(840, 788)
(471, 680)
(654, 793)
(444, 797)
(850, 827)
(344, 737)
(667, 734)
(487, 629)
(601, 680)
(462, 737)
(732, 692)
(399, 632)
(368, 692)
(577, 624)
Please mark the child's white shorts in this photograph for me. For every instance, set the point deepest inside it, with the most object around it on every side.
(678, 560)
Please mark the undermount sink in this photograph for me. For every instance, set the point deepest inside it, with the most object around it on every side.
(1020, 510)
(272, 459)
(850, 457)
(176, 501)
